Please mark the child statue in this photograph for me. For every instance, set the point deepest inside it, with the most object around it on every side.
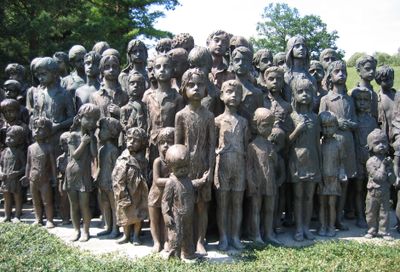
(297, 63)
(92, 71)
(61, 163)
(41, 171)
(232, 134)
(194, 128)
(161, 174)
(200, 57)
(273, 82)
(261, 169)
(332, 168)
(317, 71)
(366, 124)
(51, 100)
(384, 77)
(78, 183)
(133, 114)
(16, 72)
(136, 54)
(180, 64)
(163, 103)
(252, 97)
(341, 104)
(327, 56)
(262, 60)
(77, 76)
(100, 47)
(63, 63)
(110, 98)
(304, 155)
(178, 202)
(130, 186)
(109, 131)
(218, 44)
(380, 178)
(366, 68)
(12, 169)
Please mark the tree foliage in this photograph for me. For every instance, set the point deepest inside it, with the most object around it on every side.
(31, 28)
(381, 57)
(280, 22)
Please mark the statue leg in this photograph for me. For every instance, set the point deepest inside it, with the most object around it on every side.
(236, 215)
(222, 219)
(202, 221)
(84, 200)
(47, 198)
(298, 210)
(115, 229)
(73, 197)
(331, 215)
(107, 213)
(37, 204)
(340, 206)
(18, 205)
(137, 227)
(268, 219)
(323, 203)
(255, 219)
(360, 202)
(127, 235)
(155, 229)
(308, 198)
(7, 207)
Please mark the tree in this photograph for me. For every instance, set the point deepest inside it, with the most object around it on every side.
(282, 22)
(31, 28)
(351, 62)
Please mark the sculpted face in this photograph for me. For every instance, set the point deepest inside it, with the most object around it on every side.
(363, 102)
(231, 96)
(327, 59)
(137, 55)
(91, 68)
(367, 71)
(240, 64)
(218, 45)
(265, 127)
(274, 81)
(317, 72)
(162, 69)
(380, 145)
(329, 129)
(265, 62)
(45, 76)
(78, 62)
(339, 75)
(299, 50)
(303, 95)
(136, 87)
(196, 88)
(111, 69)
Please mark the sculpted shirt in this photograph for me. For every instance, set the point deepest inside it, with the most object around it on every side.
(105, 97)
(161, 110)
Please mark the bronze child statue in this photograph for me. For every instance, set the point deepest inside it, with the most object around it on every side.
(178, 202)
(160, 177)
(12, 168)
(261, 168)
(194, 128)
(109, 131)
(233, 135)
(41, 171)
(380, 178)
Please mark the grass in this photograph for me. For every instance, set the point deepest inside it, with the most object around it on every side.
(30, 248)
(353, 79)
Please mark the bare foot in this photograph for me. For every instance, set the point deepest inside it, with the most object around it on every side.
(237, 244)
(75, 236)
(156, 248)
(49, 224)
(104, 232)
(223, 244)
(84, 237)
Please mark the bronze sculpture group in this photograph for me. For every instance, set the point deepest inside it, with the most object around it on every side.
(168, 138)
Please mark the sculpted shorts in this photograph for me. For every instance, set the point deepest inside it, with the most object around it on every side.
(231, 172)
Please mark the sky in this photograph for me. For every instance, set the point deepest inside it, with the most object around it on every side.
(363, 26)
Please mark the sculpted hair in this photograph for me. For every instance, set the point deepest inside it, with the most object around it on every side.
(47, 63)
(355, 93)
(136, 44)
(232, 83)
(165, 43)
(376, 134)
(106, 59)
(76, 50)
(332, 66)
(100, 47)
(138, 133)
(384, 71)
(18, 132)
(43, 122)
(61, 56)
(13, 83)
(187, 76)
(9, 104)
(165, 134)
(274, 69)
(183, 40)
(263, 114)
(245, 51)
(87, 109)
(95, 57)
(200, 57)
(257, 56)
(327, 117)
(361, 61)
(15, 68)
(177, 154)
(224, 34)
(327, 51)
(289, 51)
(113, 125)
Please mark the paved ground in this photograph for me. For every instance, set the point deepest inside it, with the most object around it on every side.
(100, 245)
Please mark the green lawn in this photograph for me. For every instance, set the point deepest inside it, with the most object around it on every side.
(353, 78)
(28, 248)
